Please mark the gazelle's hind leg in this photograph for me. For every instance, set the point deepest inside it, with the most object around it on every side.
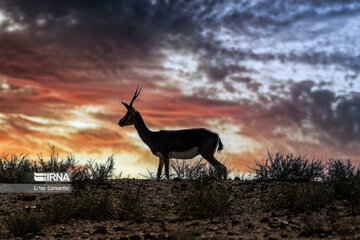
(208, 154)
(161, 165)
(220, 168)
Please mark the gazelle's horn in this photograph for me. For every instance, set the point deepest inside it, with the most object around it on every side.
(137, 92)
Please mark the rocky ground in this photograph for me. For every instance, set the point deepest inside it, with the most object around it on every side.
(249, 219)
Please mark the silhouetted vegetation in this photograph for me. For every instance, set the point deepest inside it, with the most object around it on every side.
(17, 168)
(280, 167)
(98, 172)
(344, 180)
(14, 168)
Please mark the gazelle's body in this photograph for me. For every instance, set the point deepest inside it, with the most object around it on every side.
(180, 144)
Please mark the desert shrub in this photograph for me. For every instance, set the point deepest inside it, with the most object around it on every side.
(55, 164)
(280, 167)
(296, 197)
(25, 222)
(98, 172)
(16, 168)
(130, 204)
(80, 205)
(206, 201)
(344, 180)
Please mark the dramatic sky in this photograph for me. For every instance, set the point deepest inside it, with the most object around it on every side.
(282, 75)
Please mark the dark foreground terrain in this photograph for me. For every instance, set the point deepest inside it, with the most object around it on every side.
(181, 209)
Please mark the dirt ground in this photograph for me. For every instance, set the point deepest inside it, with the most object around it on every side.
(247, 220)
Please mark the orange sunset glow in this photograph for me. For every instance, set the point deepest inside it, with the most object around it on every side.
(268, 79)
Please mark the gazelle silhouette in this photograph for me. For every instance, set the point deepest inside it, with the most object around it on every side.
(180, 144)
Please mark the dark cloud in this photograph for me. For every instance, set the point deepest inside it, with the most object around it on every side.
(337, 117)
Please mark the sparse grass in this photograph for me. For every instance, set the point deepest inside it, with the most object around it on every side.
(280, 167)
(80, 205)
(151, 175)
(206, 201)
(25, 222)
(60, 209)
(296, 197)
(130, 204)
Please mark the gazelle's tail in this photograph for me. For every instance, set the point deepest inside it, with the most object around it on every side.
(221, 145)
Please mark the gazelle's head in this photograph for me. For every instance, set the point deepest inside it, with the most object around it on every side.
(129, 118)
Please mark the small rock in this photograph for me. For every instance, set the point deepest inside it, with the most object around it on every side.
(41, 234)
(177, 179)
(282, 225)
(161, 236)
(304, 234)
(118, 228)
(273, 215)
(149, 236)
(195, 224)
(323, 235)
(29, 198)
(63, 228)
(100, 230)
(29, 236)
(135, 237)
(235, 222)
(85, 235)
(294, 228)
(284, 235)
(58, 235)
(250, 225)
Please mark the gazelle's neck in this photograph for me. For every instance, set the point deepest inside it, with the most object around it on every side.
(144, 133)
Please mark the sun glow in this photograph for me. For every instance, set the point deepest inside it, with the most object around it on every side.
(4, 86)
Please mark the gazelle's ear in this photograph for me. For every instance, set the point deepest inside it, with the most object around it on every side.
(126, 105)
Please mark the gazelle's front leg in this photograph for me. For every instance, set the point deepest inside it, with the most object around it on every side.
(161, 164)
(166, 159)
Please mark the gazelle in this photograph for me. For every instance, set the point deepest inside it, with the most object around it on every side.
(180, 144)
